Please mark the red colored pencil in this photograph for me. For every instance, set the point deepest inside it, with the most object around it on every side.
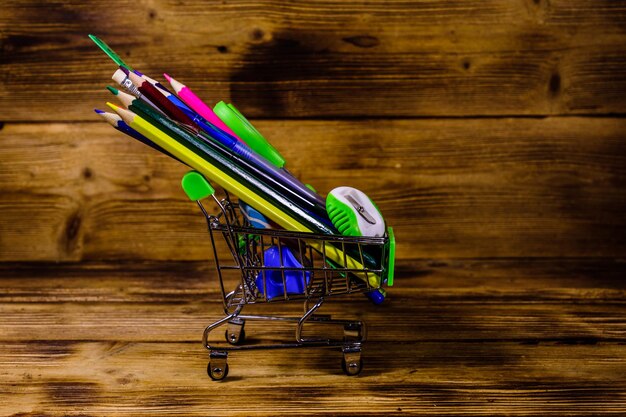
(160, 100)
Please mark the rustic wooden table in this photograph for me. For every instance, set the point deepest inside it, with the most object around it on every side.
(490, 133)
(479, 337)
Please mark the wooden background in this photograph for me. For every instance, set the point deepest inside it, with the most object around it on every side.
(491, 134)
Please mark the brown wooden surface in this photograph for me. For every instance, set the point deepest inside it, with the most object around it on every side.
(303, 59)
(450, 188)
(490, 337)
(491, 134)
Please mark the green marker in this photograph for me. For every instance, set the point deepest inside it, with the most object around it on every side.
(248, 133)
(110, 52)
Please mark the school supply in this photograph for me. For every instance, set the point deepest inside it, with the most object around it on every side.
(353, 213)
(238, 123)
(198, 105)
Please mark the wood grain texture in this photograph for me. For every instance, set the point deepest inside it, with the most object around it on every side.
(323, 59)
(461, 337)
(491, 134)
(450, 188)
(525, 281)
(556, 300)
(139, 379)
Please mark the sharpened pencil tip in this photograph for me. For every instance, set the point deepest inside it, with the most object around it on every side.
(113, 90)
(98, 111)
(113, 106)
(126, 115)
(167, 77)
(176, 85)
(135, 79)
(111, 118)
(125, 99)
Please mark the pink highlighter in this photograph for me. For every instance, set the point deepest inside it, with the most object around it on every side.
(198, 106)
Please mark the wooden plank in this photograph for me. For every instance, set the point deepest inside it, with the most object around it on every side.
(314, 59)
(450, 188)
(404, 319)
(142, 379)
(575, 301)
(479, 337)
(555, 300)
(523, 281)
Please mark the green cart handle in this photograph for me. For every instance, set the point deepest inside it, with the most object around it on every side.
(196, 186)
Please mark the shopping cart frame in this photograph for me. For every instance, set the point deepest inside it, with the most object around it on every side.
(321, 279)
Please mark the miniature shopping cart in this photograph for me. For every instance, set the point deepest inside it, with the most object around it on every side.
(303, 267)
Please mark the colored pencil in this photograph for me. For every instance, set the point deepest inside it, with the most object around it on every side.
(203, 163)
(151, 80)
(198, 105)
(160, 100)
(262, 167)
(122, 79)
(110, 52)
(167, 93)
(116, 121)
(318, 214)
(238, 181)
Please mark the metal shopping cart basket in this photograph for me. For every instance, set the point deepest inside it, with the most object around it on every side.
(303, 267)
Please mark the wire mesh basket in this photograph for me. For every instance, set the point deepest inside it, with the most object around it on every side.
(273, 265)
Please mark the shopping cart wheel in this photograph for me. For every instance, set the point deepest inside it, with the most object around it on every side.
(352, 368)
(217, 373)
(218, 367)
(235, 333)
(235, 339)
(351, 363)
